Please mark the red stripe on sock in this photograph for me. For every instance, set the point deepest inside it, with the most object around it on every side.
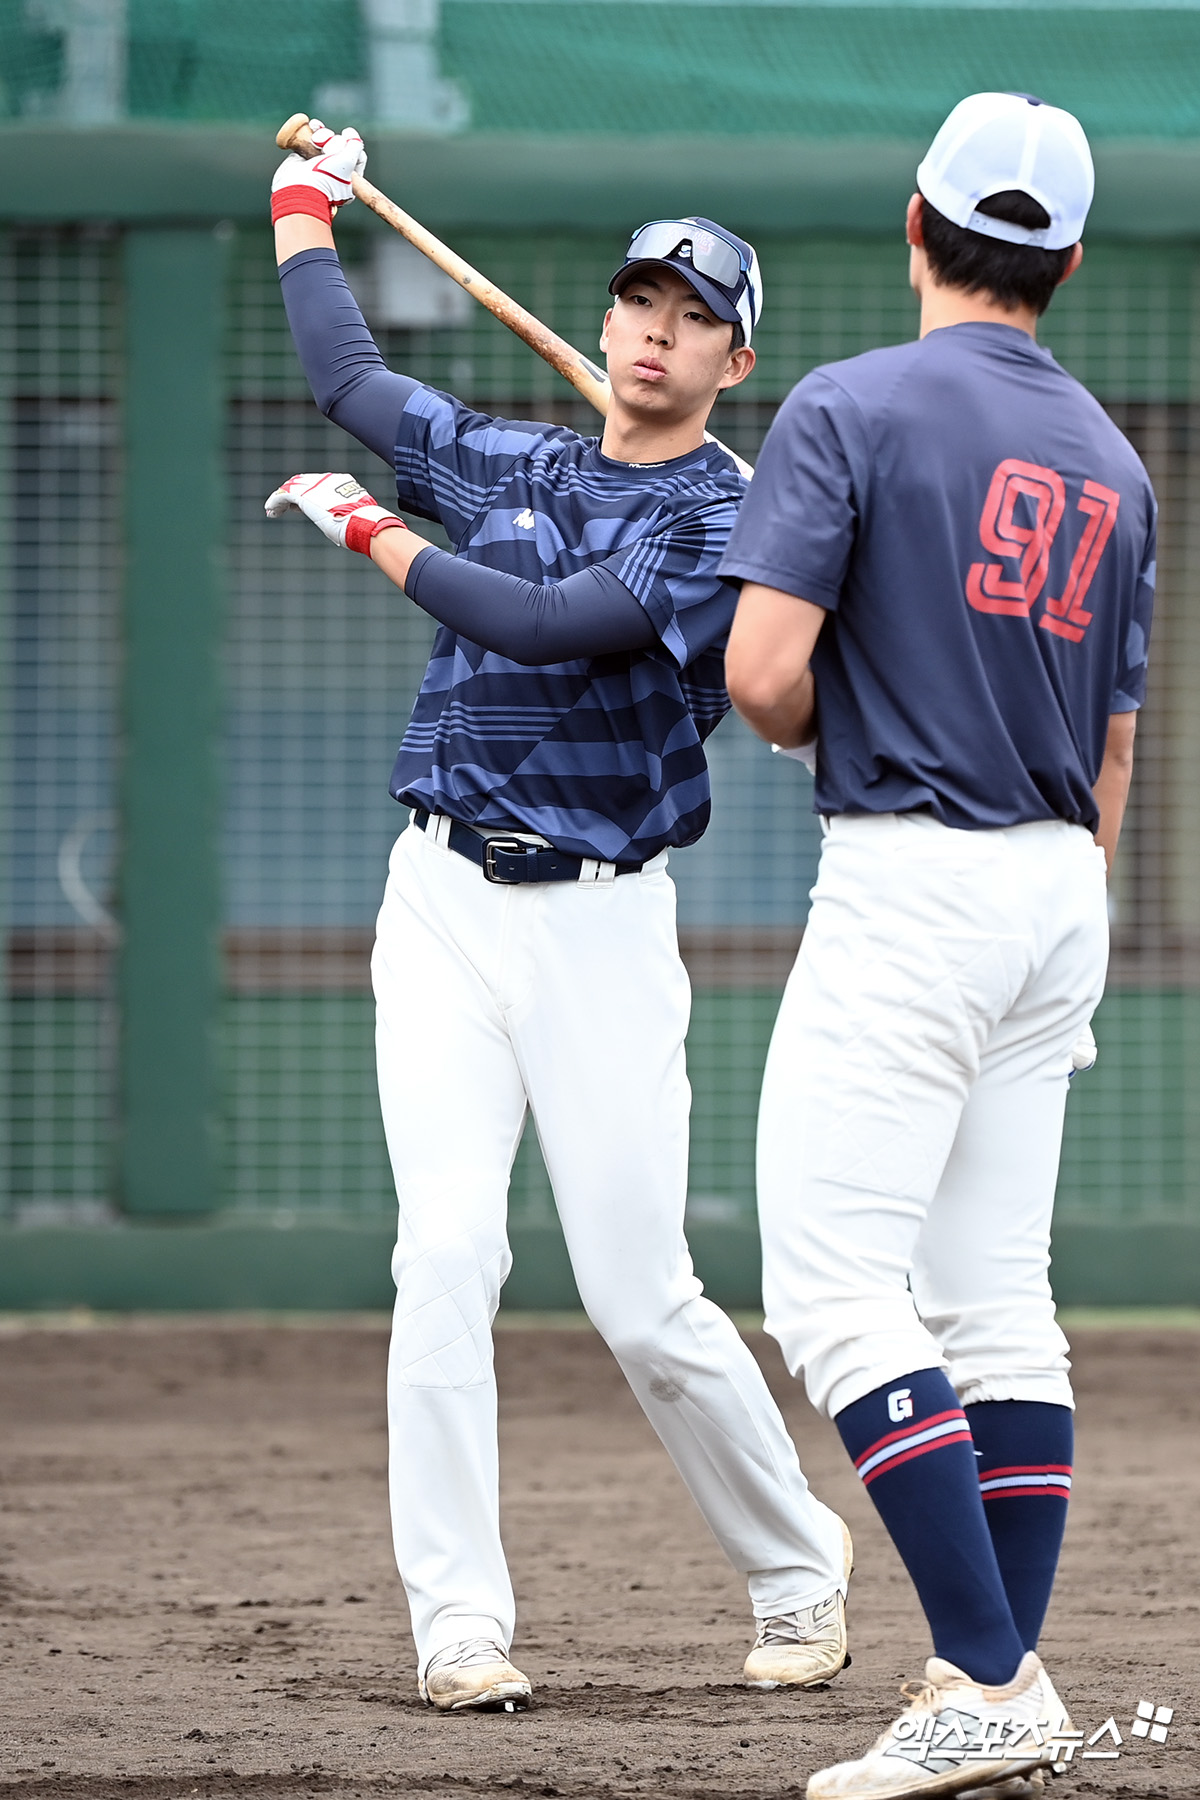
(907, 1431)
(1026, 1469)
(958, 1437)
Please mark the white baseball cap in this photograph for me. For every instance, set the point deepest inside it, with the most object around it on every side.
(994, 142)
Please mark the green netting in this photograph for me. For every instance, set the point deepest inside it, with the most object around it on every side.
(1128, 325)
(187, 59)
(608, 66)
(815, 70)
(303, 1136)
(60, 477)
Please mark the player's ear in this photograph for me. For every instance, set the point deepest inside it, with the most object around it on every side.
(914, 225)
(1073, 262)
(604, 329)
(740, 363)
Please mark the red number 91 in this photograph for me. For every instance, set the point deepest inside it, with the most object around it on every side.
(989, 591)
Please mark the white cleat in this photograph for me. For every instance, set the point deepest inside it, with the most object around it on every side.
(803, 1649)
(1015, 1787)
(475, 1676)
(957, 1737)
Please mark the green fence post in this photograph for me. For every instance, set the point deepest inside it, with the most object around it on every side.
(170, 983)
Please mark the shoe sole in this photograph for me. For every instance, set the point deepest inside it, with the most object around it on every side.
(503, 1696)
(805, 1687)
(951, 1781)
(1012, 1787)
(1007, 1773)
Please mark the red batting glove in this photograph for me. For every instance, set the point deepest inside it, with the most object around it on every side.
(336, 503)
(322, 186)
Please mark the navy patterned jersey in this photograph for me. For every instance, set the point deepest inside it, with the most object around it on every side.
(603, 756)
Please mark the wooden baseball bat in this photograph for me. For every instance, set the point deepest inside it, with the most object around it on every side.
(583, 375)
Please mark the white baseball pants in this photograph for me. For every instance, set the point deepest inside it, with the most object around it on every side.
(569, 999)
(912, 1107)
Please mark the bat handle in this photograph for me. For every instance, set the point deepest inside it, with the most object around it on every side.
(297, 135)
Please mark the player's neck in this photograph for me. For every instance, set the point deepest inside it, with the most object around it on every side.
(630, 439)
(942, 306)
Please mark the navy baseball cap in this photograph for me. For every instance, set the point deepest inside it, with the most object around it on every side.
(722, 267)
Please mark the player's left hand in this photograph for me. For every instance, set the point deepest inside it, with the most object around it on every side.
(344, 510)
(331, 172)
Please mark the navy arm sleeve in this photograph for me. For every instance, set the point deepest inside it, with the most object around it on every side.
(350, 381)
(590, 613)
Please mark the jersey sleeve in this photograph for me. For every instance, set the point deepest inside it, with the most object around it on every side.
(674, 574)
(798, 523)
(1129, 691)
(448, 458)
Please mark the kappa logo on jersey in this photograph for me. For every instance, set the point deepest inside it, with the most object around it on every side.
(525, 520)
(1044, 493)
(900, 1405)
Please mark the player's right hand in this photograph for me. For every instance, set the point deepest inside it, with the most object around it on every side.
(339, 505)
(329, 175)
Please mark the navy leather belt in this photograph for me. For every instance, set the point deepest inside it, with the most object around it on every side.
(506, 860)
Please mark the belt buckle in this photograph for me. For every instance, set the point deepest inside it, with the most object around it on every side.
(511, 846)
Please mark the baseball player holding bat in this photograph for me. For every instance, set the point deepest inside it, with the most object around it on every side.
(526, 956)
(948, 557)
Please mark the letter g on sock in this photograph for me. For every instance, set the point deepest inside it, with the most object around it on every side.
(900, 1405)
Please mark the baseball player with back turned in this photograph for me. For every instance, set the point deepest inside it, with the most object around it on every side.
(963, 544)
(526, 955)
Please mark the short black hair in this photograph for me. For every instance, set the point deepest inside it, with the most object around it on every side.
(1013, 274)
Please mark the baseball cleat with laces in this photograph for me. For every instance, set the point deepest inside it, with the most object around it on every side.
(475, 1676)
(956, 1737)
(806, 1648)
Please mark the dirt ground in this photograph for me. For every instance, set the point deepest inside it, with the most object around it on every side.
(197, 1595)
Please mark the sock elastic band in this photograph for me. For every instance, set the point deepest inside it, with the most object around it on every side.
(1029, 1481)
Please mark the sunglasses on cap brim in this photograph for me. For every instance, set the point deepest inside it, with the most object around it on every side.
(711, 255)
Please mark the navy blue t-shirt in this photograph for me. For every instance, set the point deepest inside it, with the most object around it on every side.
(603, 756)
(982, 537)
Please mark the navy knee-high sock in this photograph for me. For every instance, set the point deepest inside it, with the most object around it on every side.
(912, 1447)
(1024, 1453)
